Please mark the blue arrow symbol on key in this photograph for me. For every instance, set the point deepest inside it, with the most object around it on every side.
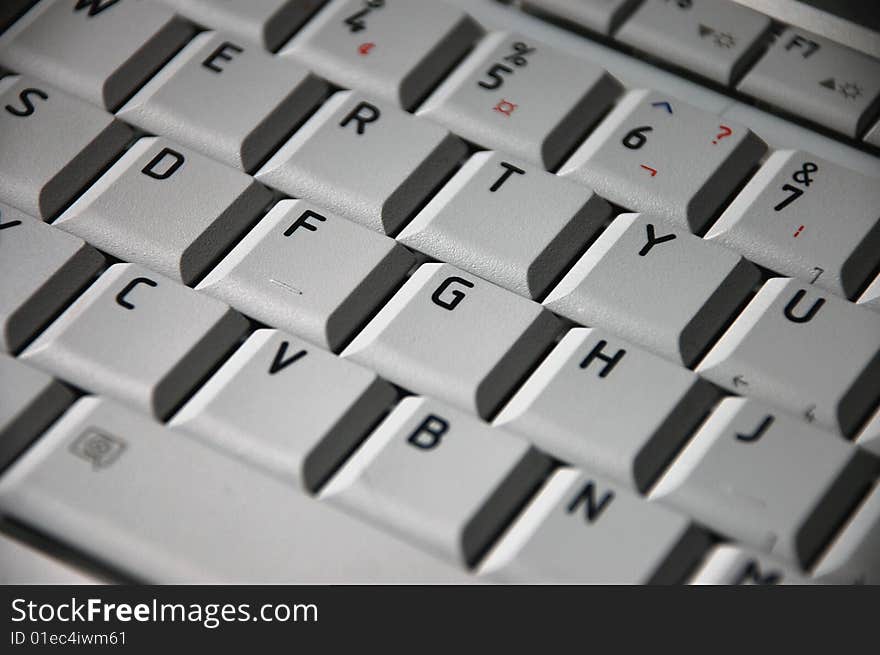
(663, 104)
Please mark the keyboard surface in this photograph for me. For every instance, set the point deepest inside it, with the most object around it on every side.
(374, 291)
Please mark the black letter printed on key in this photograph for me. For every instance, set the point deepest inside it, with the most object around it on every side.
(120, 297)
(29, 107)
(806, 316)
(427, 436)
(279, 363)
(653, 240)
(362, 114)
(509, 169)
(457, 296)
(222, 52)
(610, 362)
(592, 507)
(170, 168)
(303, 221)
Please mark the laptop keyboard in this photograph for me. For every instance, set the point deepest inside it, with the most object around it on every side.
(379, 291)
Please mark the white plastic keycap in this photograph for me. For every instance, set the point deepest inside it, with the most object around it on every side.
(730, 564)
(364, 159)
(287, 407)
(453, 336)
(602, 16)
(581, 529)
(870, 298)
(438, 478)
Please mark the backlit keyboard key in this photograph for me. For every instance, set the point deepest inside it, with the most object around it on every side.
(522, 97)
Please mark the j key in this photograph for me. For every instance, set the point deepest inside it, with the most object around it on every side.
(101, 51)
(191, 100)
(519, 96)
(267, 23)
(364, 159)
(869, 436)
(287, 407)
(438, 478)
(736, 476)
(660, 156)
(601, 16)
(166, 207)
(160, 506)
(507, 221)
(41, 268)
(29, 401)
(139, 337)
(734, 565)
(806, 351)
(715, 38)
(637, 280)
(453, 336)
(580, 529)
(310, 272)
(396, 50)
(593, 385)
(809, 218)
(854, 555)
(871, 296)
(53, 144)
(817, 79)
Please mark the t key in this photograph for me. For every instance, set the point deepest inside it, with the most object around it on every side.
(138, 337)
(657, 155)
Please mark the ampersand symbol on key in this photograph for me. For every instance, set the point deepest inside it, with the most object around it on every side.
(803, 175)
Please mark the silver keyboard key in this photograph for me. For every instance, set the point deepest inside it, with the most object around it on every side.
(453, 336)
(814, 78)
(805, 217)
(395, 50)
(870, 298)
(310, 272)
(602, 16)
(29, 401)
(737, 477)
(854, 555)
(637, 280)
(233, 102)
(366, 160)
(52, 145)
(183, 512)
(267, 23)
(593, 385)
(714, 38)
(287, 407)
(101, 51)
(581, 529)
(659, 156)
(508, 222)
(439, 478)
(807, 351)
(734, 565)
(165, 207)
(522, 97)
(41, 268)
(139, 337)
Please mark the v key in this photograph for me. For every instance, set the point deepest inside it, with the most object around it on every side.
(279, 363)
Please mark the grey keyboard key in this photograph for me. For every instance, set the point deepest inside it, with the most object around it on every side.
(870, 298)
(267, 23)
(101, 51)
(29, 401)
(804, 350)
(392, 50)
(714, 38)
(139, 337)
(736, 476)
(232, 101)
(734, 565)
(183, 512)
(287, 407)
(637, 280)
(438, 478)
(52, 145)
(364, 159)
(601, 16)
(657, 155)
(522, 97)
(41, 268)
(581, 529)
(814, 78)
(854, 555)
(22, 564)
(453, 336)
(508, 222)
(166, 207)
(806, 217)
(593, 385)
(309, 272)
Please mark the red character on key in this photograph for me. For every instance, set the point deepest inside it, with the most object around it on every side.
(364, 48)
(505, 107)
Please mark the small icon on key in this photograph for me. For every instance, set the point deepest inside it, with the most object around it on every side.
(365, 48)
(505, 107)
(98, 448)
